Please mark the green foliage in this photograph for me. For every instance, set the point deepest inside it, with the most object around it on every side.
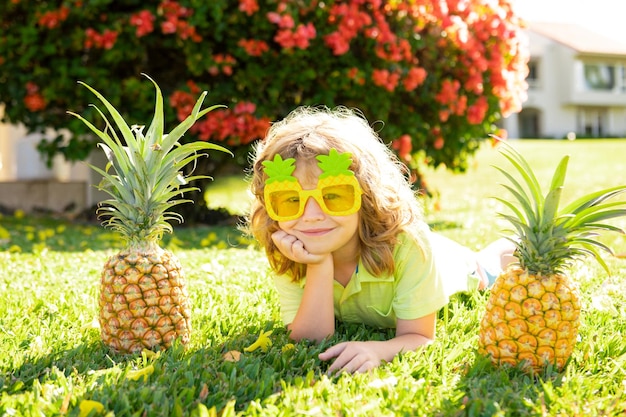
(439, 74)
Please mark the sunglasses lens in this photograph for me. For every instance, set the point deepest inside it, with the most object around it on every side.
(339, 198)
(285, 203)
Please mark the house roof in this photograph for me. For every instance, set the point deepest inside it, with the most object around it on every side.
(582, 40)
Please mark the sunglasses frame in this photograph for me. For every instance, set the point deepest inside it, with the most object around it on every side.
(316, 193)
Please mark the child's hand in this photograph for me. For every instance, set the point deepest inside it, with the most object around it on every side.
(353, 357)
(293, 248)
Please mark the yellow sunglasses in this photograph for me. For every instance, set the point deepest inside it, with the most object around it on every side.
(335, 199)
(338, 192)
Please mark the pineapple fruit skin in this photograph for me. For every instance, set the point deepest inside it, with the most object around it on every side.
(144, 302)
(530, 320)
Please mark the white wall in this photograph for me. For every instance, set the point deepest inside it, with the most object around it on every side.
(20, 160)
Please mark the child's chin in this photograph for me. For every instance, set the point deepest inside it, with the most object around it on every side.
(316, 249)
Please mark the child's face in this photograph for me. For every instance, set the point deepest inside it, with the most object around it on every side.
(320, 232)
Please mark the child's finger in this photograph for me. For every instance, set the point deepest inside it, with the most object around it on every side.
(332, 352)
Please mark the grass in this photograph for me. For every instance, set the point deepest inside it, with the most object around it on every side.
(52, 360)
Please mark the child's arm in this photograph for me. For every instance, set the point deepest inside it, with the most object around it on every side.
(315, 319)
(363, 356)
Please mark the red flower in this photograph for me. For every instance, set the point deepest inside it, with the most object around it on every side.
(414, 78)
(53, 18)
(31, 87)
(93, 39)
(168, 27)
(477, 111)
(249, 7)
(245, 107)
(298, 38)
(34, 102)
(254, 47)
(144, 21)
(108, 39)
(449, 91)
(384, 78)
(439, 142)
(404, 147)
(303, 34)
(337, 43)
(283, 21)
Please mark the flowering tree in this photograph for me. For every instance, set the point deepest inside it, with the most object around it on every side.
(438, 73)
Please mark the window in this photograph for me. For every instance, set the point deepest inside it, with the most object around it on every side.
(529, 123)
(599, 77)
(533, 73)
(592, 121)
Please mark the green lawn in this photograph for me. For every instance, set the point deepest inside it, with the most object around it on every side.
(52, 360)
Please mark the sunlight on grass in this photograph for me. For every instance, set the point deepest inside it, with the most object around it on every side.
(466, 200)
(230, 193)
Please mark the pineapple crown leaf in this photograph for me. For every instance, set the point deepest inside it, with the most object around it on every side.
(279, 169)
(528, 214)
(553, 198)
(148, 169)
(335, 163)
(545, 208)
(587, 247)
(548, 237)
(594, 198)
(523, 168)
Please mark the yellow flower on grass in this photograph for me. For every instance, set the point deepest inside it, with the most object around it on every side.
(263, 342)
(209, 240)
(288, 348)
(149, 354)
(18, 214)
(87, 406)
(145, 373)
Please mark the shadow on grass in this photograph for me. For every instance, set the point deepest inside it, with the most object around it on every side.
(178, 381)
(487, 390)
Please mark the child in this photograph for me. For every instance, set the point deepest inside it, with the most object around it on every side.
(345, 236)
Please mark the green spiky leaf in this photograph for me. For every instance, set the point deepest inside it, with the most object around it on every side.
(548, 239)
(144, 175)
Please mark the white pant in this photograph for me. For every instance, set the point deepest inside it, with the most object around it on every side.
(457, 264)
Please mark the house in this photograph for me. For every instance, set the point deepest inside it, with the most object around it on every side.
(577, 85)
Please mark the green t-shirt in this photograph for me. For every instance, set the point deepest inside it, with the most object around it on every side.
(414, 290)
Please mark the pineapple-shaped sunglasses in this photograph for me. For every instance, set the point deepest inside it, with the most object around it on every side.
(338, 192)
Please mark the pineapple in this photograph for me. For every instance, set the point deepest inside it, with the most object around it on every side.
(532, 314)
(144, 303)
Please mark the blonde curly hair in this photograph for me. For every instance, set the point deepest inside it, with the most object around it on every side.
(389, 205)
